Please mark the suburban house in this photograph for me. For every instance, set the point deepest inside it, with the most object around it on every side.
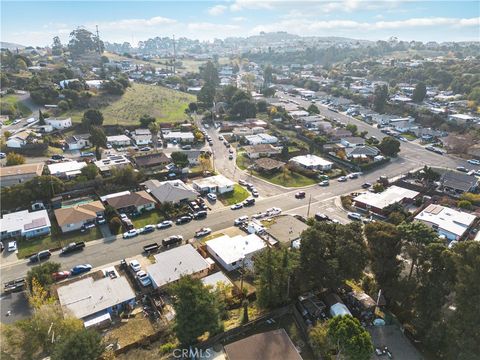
(456, 183)
(260, 150)
(94, 301)
(286, 230)
(311, 162)
(270, 345)
(19, 140)
(352, 141)
(142, 137)
(362, 152)
(235, 252)
(296, 114)
(268, 165)
(173, 191)
(73, 218)
(119, 140)
(78, 142)
(112, 161)
(67, 169)
(58, 123)
(214, 184)
(151, 161)
(403, 124)
(451, 223)
(193, 156)
(177, 136)
(24, 224)
(172, 264)
(339, 133)
(461, 118)
(261, 139)
(127, 203)
(377, 202)
(17, 174)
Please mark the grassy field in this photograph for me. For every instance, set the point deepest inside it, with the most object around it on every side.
(150, 217)
(290, 179)
(11, 101)
(164, 104)
(238, 194)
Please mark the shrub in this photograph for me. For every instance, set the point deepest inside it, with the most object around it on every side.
(167, 348)
(464, 204)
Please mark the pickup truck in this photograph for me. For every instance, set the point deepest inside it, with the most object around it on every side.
(151, 248)
(14, 286)
(73, 247)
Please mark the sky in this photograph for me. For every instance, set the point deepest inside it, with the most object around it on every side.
(35, 23)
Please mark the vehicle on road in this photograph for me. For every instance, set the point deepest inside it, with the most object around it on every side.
(274, 211)
(147, 229)
(12, 246)
(230, 157)
(342, 179)
(40, 256)
(255, 192)
(324, 183)
(130, 233)
(57, 157)
(230, 151)
(80, 269)
(462, 169)
(354, 216)
(300, 195)
(72, 247)
(171, 240)
(199, 215)
(240, 220)
(236, 206)
(12, 286)
(242, 182)
(187, 147)
(220, 137)
(165, 224)
(60, 275)
(321, 217)
(203, 232)
(183, 220)
(151, 248)
(211, 197)
(146, 148)
(259, 215)
(135, 265)
(352, 176)
(366, 185)
(3, 155)
(474, 161)
(249, 202)
(143, 278)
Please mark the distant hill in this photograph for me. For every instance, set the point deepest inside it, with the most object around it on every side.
(11, 46)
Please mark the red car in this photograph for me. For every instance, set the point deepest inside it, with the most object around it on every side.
(61, 275)
(300, 195)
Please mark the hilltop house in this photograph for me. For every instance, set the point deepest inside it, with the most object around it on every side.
(311, 162)
(59, 123)
(78, 142)
(73, 218)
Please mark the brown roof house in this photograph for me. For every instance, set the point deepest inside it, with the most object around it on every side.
(270, 345)
(268, 165)
(152, 161)
(73, 218)
(11, 175)
(133, 202)
(260, 150)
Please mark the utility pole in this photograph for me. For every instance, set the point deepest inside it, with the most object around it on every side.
(174, 55)
(309, 202)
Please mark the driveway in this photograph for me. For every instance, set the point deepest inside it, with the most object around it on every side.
(391, 336)
(17, 305)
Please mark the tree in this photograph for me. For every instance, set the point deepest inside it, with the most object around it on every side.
(389, 146)
(243, 109)
(206, 95)
(352, 128)
(154, 128)
(209, 74)
(41, 119)
(179, 158)
(428, 175)
(38, 296)
(267, 76)
(84, 344)
(285, 155)
(380, 97)
(113, 87)
(384, 244)
(125, 176)
(313, 109)
(330, 254)
(92, 117)
(90, 171)
(192, 107)
(98, 139)
(350, 338)
(83, 42)
(43, 274)
(57, 47)
(146, 120)
(115, 225)
(205, 162)
(320, 342)
(419, 92)
(63, 105)
(15, 159)
(262, 106)
(416, 236)
(196, 310)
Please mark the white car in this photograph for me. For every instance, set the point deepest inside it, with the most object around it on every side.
(474, 161)
(203, 232)
(354, 216)
(342, 179)
(212, 196)
(143, 278)
(274, 211)
(130, 233)
(240, 220)
(324, 183)
(259, 215)
(165, 224)
(123, 217)
(135, 265)
(236, 206)
(12, 246)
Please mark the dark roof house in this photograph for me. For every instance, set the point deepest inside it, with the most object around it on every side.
(151, 160)
(457, 183)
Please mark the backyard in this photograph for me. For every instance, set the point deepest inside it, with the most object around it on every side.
(238, 194)
(11, 104)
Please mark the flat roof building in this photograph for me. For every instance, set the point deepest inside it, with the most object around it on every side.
(24, 224)
(311, 162)
(17, 174)
(66, 169)
(213, 184)
(377, 202)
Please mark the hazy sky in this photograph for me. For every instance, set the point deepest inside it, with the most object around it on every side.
(37, 22)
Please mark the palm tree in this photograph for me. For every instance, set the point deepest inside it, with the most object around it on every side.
(154, 128)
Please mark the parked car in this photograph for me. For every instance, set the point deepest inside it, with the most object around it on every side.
(242, 182)
(474, 161)
(199, 215)
(236, 206)
(80, 269)
(352, 176)
(174, 239)
(366, 185)
(354, 216)
(75, 246)
(187, 147)
(324, 183)
(259, 215)
(57, 157)
(151, 248)
(462, 169)
(321, 217)
(240, 220)
(147, 229)
(101, 220)
(130, 233)
(3, 155)
(230, 157)
(342, 179)
(60, 275)
(12, 246)
(135, 265)
(300, 195)
(40, 256)
(212, 196)
(86, 154)
(123, 217)
(255, 192)
(143, 278)
(249, 186)
(146, 148)
(203, 232)
(165, 224)
(183, 220)
(249, 201)
(274, 211)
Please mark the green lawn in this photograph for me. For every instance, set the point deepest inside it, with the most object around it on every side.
(55, 240)
(19, 108)
(162, 103)
(238, 194)
(242, 161)
(290, 179)
(409, 137)
(147, 218)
